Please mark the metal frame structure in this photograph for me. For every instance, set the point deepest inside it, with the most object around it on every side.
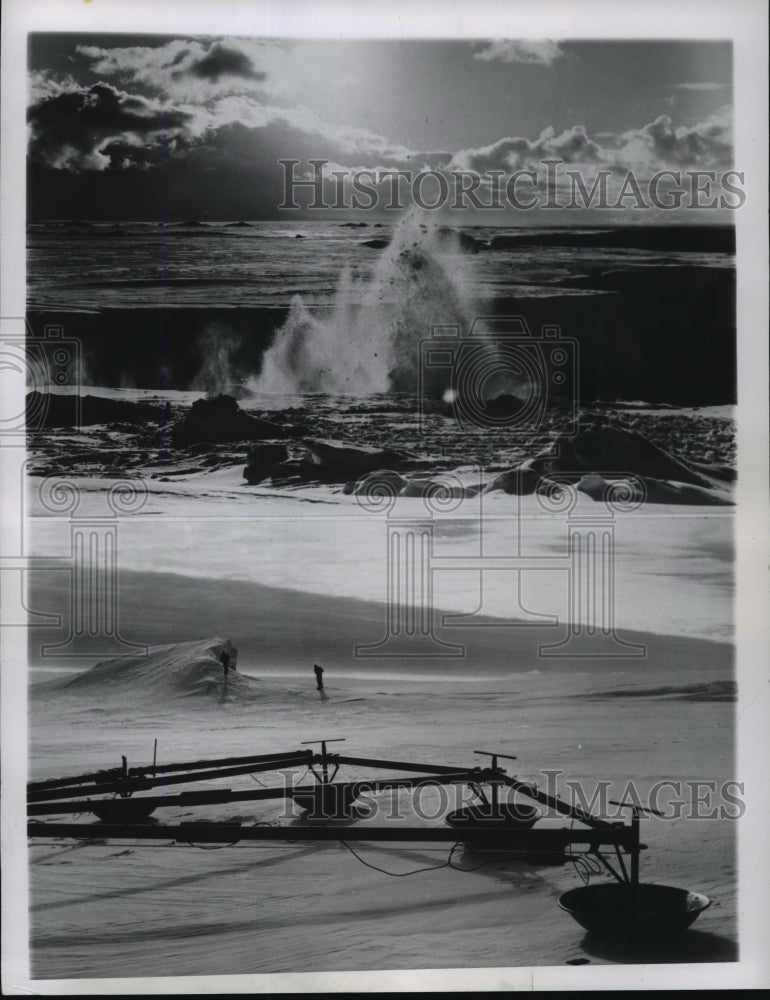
(486, 826)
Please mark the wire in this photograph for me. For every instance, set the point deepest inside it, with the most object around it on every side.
(201, 847)
(475, 869)
(147, 846)
(415, 871)
(236, 843)
(585, 867)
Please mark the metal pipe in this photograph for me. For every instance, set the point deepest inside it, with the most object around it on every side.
(636, 847)
(142, 784)
(216, 796)
(397, 765)
(574, 812)
(544, 840)
(115, 772)
(608, 866)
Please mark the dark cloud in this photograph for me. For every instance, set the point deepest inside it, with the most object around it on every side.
(74, 129)
(201, 181)
(223, 61)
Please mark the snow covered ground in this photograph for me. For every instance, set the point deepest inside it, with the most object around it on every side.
(206, 556)
(213, 526)
(125, 908)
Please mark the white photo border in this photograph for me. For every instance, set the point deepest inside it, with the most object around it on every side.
(744, 22)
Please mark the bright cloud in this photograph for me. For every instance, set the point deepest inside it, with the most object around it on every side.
(655, 146)
(542, 51)
(660, 144)
(513, 153)
(706, 87)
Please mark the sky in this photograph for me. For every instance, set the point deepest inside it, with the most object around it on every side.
(162, 127)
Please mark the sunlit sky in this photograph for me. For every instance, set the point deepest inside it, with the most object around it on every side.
(115, 117)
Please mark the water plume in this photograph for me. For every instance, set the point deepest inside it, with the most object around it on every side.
(219, 373)
(368, 340)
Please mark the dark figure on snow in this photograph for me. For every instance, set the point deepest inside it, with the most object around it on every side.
(224, 659)
(319, 677)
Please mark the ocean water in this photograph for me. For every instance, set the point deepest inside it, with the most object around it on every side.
(97, 265)
(298, 307)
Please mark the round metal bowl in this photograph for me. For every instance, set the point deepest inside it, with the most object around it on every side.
(504, 816)
(644, 912)
(327, 801)
(122, 810)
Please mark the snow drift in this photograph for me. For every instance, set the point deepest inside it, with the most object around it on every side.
(177, 670)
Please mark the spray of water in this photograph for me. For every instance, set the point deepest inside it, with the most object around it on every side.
(219, 372)
(368, 341)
